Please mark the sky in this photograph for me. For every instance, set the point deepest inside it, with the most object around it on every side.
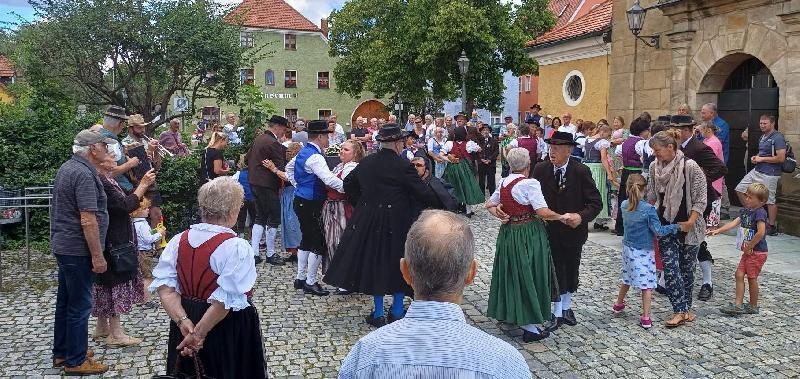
(314, 10)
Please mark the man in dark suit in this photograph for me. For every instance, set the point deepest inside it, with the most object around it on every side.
(265, 185)
(568, 188)
(714, 168)
(487, 160)
(387, 194)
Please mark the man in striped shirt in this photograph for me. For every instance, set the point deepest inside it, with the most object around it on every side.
(434, 339)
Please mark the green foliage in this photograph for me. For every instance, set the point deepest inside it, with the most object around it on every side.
(411, 47)
(177, 181)
(254, 115)
(135, 54)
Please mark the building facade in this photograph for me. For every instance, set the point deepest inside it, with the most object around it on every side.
(297, 77)
(742, 55)
(8, 75)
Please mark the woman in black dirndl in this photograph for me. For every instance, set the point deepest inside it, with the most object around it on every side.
(205, 278)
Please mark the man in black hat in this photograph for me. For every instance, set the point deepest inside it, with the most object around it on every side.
(534, 116)
(114, 119)
(714, 169)
(487, 160)
(387, 194)
(310, 173)
(265, 185)
(568, 188)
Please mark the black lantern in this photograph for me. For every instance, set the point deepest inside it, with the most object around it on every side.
(636, 16)
(463, 63)
(463, 67)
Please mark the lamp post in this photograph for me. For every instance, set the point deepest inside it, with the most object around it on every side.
(635, 15)
(463, 67)
(398, 106)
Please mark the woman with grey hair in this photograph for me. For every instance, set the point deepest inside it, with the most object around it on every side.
(522, 276)
(205, 278)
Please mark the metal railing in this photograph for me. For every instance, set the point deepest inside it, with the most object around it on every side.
(16, 205)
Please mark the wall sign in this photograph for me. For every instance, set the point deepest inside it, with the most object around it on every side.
(280, 95)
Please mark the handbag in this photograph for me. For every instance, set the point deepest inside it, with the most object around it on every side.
(199, 370)
(123, 258)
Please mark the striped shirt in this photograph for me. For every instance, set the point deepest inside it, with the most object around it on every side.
(433, 341)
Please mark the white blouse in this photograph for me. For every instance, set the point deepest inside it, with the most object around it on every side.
(601, 144)
(233, 261)
(526, 192)
(472, 147)
(345, 169)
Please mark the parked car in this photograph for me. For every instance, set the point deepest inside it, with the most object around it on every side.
(496, 130)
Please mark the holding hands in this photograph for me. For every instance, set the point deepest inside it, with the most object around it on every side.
(571, 219)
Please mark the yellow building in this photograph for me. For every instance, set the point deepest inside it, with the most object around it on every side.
(574, 63)
(7, 76)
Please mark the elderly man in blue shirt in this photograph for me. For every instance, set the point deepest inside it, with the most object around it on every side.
(434, 339)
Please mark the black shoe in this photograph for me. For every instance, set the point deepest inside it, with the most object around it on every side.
(291, 258)
(258, 259)
(299, 284)
(315, 290)
(660, 289)
(343, 292)
(275, 260)
(568, 317)
(551, 325)
(528, 337)
(706, 291)
(600, 226)
(375, 321)
(392, 318)
(772, 230)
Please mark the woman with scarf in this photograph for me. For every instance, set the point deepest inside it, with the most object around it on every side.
(678, 191)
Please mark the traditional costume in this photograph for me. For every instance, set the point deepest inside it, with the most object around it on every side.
(335, 213)
(567, 189)
(310, 171)
(385, 190)
(593, 160)
(460, 174)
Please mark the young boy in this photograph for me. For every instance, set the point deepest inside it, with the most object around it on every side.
(750, 239)
(146, 239)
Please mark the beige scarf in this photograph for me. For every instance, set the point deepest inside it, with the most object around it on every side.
(670, 180)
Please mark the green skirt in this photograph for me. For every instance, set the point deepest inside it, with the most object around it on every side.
(600, 180)
(465, 186)
(521, 290)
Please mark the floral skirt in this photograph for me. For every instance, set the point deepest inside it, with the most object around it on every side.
(118, 299)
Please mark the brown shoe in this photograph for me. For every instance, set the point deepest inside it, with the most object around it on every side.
(88, 367)
(122, 342)
(58, 362)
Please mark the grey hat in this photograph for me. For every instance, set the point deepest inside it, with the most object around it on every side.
(116, 112)
(88, 137)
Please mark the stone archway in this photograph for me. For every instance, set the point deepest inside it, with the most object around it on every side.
(369, 109)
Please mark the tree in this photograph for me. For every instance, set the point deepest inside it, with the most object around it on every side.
(410, 47)
(136, 54)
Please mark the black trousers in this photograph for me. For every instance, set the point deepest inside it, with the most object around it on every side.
(622, 195)
(249, 207)
(268, 206)
(309, 213)
(566, 261)
(486, 176)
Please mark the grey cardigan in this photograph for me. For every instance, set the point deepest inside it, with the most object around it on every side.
(697, 189)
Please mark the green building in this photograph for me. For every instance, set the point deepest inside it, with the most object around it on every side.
(297, 78)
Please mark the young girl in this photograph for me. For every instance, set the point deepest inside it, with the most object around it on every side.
(596, 159)
(146, 239)
(638, 255)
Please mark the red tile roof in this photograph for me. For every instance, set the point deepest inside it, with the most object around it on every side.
(594, 21)
(270, 14)
(6, 68)
(564, 8)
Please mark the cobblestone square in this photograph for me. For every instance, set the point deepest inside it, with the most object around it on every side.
(309, 336)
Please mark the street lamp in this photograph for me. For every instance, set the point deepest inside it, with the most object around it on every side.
(636, 16)
(398, 106)
(463, 67)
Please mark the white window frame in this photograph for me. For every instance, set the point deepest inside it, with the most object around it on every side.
(319, 112)
(246, 39)
(527, 79)
(296, 78)
(329, 80)
(495, 118)
(284, 41)
(296, 116)
(567, 98)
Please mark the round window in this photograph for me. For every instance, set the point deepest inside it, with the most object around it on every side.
(573, 88)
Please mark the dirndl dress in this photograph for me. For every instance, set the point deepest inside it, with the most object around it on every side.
(522, 276)
(599, 175)
(234, 348)
(335, 213)
(290, 225)
(462, 178)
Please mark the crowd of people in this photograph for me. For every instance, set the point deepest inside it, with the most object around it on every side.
(382, 218)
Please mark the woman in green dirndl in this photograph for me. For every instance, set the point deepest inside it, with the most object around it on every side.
(459, 172)
(522, 275)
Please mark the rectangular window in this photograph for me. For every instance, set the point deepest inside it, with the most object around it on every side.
(495, 118)
(290, 114)
(246, 39)
(324, 114)
(269, 78)
(323, 80)
(528, 83)
(290, 42)
(246, 76)
(290, 79)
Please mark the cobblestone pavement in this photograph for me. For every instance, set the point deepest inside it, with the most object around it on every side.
(309, 336)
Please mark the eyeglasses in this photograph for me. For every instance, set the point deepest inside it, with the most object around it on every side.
(419, 164)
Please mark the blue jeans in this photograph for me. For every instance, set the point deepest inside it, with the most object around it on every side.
(73, 305)
(679, 261)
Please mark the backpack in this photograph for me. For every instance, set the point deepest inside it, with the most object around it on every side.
(789, 163)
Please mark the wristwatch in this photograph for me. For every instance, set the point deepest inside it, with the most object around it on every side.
(181, 320)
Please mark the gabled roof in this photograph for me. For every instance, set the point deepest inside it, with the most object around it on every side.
(270, 14)
(596, 20)
(6, 68)
(563, 10)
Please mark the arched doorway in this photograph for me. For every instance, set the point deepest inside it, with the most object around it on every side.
(743, 89)
(369, 109)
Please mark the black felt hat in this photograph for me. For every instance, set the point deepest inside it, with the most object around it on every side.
(390, 132)
(536, 106)
(275, 119)
(561, 138)
(318, 127)
(681, 121)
